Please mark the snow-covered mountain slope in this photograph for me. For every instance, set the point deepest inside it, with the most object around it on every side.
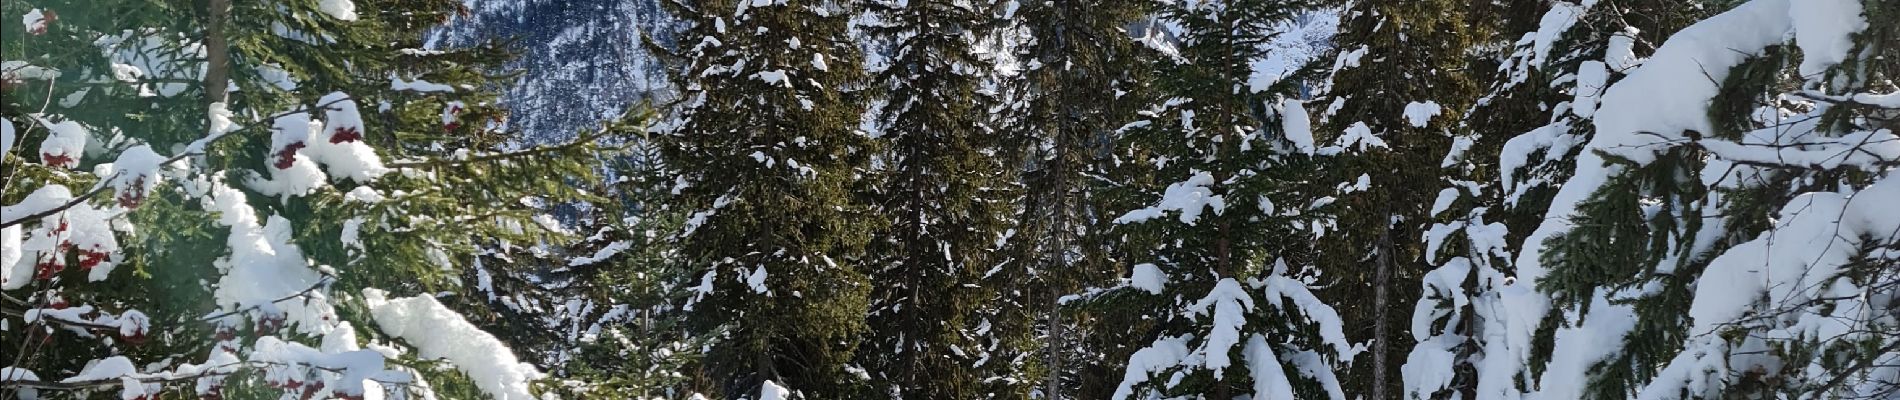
(580, 61)
(1299, 42)
(584, 61)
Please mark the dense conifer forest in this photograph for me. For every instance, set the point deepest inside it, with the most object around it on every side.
(950, 199)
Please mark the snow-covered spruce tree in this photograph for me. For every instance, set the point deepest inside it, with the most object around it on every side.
(942, 186)
(1400, 82)
(1514, 148)
(598, 308)
(1073, 90)
(215, 200)
(1744, 196)
(1465, 245)
(1223, 315)
(767, 152)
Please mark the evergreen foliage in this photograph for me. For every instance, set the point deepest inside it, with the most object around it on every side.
(766, 151)
(943, 188)
(240, 206)
(1077, 82)
(1384, 186)
(1207, 161)
(935, 199)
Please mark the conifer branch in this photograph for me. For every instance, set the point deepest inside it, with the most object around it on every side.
(218, 371)
(99, 188)
(538, 150)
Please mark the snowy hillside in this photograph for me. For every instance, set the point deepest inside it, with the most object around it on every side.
(580, 62)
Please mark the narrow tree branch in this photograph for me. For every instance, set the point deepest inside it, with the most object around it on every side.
(88, 325)
(96, 189)
(302, 293)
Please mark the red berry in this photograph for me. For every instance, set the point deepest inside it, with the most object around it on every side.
(89, 259)
(345, 134)
(133, 194)
(58, 160)
(312, 391)
(270, 323)
(50, 268)
(288, 156)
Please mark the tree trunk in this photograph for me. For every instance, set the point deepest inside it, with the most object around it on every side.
(1054, 378)
(217, 51)
(1381, 282)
